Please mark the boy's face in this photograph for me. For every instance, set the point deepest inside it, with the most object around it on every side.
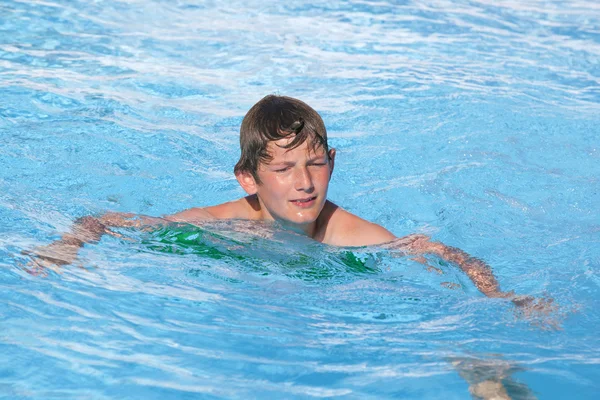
(294, 183)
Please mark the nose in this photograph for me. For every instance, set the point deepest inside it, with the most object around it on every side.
(303, 181)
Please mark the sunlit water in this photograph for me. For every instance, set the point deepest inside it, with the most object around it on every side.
(476, 122)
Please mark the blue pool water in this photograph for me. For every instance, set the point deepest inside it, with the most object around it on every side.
(475, 122)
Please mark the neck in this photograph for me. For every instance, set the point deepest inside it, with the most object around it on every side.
(309, 230)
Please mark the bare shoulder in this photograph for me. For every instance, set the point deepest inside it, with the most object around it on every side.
(229, 210)
(190, 215)
(346, 229)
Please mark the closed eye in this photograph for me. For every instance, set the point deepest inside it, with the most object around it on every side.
(282, 169)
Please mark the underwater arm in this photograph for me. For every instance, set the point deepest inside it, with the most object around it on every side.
(477, 270)
(87, 230)
(90, 229)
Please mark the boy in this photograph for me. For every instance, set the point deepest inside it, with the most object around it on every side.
(285, 168)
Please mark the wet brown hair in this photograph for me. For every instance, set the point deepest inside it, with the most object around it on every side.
(274, 118)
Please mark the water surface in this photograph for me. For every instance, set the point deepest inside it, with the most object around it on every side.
(475, 122)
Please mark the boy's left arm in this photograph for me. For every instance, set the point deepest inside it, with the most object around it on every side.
(418, 245)
(537, 310)
(478, 271)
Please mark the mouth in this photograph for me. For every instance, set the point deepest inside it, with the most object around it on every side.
(306, 202)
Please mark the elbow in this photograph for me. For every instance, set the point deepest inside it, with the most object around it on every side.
(413, 244)
(117, 219)
(420, 241)
(88, 229)
(422, 244)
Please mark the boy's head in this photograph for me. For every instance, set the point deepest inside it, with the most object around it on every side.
(274, 118)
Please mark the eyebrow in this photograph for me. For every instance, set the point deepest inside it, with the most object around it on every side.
(319, 158)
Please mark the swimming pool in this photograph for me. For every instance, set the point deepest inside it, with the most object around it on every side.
(475, 122)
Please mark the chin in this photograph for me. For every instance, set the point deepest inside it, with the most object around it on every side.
(308, 218)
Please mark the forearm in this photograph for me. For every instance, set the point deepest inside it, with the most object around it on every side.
(477, 270)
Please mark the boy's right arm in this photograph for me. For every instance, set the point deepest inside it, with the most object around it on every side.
(87, 230)
(90, 229)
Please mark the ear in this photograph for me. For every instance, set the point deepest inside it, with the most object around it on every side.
(331, 161)
(247, 182)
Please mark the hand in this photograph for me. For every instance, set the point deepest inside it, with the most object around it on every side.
(38, 266)
(542, 312)
(51, 257)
